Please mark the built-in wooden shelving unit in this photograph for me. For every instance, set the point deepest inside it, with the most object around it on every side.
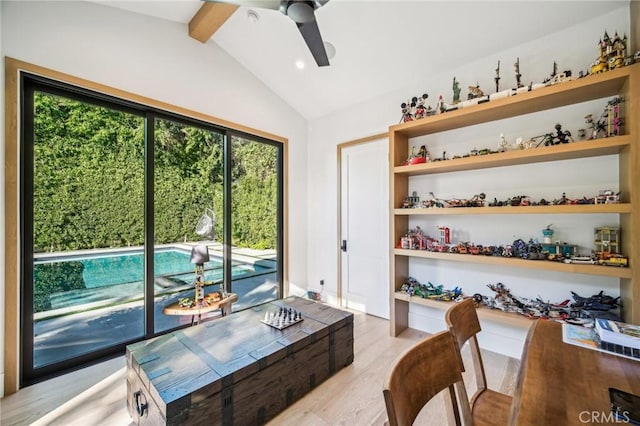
(623, 81)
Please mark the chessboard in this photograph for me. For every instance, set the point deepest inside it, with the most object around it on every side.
(282, 318)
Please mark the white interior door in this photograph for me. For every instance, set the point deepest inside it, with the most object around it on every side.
(365, 224)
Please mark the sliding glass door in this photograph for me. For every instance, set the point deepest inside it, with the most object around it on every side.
(86, 215)
(254, 187)
(114, 196)
(188, 211)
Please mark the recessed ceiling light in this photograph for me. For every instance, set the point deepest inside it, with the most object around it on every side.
(300, 64)
(253, 16)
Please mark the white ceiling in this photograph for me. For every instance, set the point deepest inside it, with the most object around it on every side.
(380, 44)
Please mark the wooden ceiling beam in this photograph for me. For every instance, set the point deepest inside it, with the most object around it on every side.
(209, 18)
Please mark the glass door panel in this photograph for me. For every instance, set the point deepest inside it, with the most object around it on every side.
(255, 231)
(188, 211)
(112, 206)
(87, 229)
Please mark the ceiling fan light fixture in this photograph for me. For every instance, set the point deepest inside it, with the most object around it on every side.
(300, 12)
(330, 49)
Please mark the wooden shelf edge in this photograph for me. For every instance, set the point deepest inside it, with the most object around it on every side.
(570, 151)
(483, 312)
(609, 271)
(618, 208)
(580, 90)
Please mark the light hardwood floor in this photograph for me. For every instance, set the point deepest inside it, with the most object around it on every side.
(96, 395)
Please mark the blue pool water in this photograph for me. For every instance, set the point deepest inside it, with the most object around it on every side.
(102, 270)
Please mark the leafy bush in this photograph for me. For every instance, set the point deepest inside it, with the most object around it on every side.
(89, 180)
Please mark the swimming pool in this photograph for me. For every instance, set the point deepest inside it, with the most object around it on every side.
(102, 271)
(106, 269)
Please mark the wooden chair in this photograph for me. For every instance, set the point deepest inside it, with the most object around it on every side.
(421, 373)
(488, 407)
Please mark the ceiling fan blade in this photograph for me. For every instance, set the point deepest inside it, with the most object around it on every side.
(311, 34)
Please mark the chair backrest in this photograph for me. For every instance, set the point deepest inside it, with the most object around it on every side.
(429, 367)
(463, 323)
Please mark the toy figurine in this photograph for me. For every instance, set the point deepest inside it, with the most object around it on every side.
(607, 196)
(497, 77)
(612, 53)
(421, 110)
(547, 234)
(606, 240)
(561, 136)
(440, 108)
(475, 92)
(502, 143)
(423, 153)
(406, 113)
(582, 133)
(619, 52)
(614, 121)
(596, 128)
(456, 91)
(519, 144)
(444, 235)
(561, 201)
(597, 302)
(518, 75)
(609, 123)
(413, 200)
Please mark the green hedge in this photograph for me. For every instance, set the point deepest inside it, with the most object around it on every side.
(89, 180)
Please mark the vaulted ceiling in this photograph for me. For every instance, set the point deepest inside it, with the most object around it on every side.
(380, 45)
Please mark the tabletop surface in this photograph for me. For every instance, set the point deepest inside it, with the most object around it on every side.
(560, 383)
(230, 348)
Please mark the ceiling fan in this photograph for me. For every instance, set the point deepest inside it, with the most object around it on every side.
(302, 12)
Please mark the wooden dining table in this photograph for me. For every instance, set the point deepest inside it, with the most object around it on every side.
(564, 384)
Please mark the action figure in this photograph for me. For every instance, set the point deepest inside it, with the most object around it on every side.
(497, 77)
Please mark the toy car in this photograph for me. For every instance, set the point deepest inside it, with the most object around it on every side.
(615, 260)
(580, 259)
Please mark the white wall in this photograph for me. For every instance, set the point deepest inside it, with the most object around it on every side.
(156, 58)
(572, 48)
(1, 209)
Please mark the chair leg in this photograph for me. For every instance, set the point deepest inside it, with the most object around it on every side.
(453, 417)
(463, 404)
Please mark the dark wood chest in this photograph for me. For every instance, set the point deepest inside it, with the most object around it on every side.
(236, 370)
